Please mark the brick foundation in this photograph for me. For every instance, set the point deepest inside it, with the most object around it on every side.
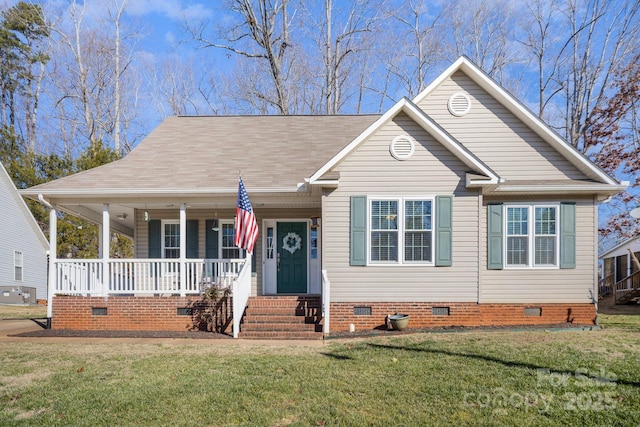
(129, 313)
(460, 314)
(157, 313)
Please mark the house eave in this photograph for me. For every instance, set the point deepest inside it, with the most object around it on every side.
(151, 192)
(327, 183)
(601, 191)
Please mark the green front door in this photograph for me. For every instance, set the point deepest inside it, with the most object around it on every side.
(291, 241)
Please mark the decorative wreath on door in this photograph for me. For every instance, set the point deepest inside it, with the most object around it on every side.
(291, 242)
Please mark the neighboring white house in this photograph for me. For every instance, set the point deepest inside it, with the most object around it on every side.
(23, 248)
(620, 273)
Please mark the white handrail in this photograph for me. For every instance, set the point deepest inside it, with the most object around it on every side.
(241, 291)
(326, 299)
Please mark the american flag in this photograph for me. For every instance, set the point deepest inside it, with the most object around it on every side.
(246, 224)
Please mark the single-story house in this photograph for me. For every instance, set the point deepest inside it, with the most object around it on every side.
(23, 249)
(459, 208)
(620, 272)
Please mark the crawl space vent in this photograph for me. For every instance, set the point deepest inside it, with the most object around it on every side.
(459, 104)
(99, 311)
(533, 311)
(402, 147)
(440, 311)
(362, 311)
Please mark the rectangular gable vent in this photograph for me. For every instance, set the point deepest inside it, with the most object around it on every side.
(533, 311)
(362, 311)
(440, 311)
(99, 311)
(185, 311)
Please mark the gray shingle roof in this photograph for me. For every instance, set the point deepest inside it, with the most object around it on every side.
(209, 152)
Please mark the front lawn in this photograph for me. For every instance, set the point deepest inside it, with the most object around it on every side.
(464, 378)
(22, 311)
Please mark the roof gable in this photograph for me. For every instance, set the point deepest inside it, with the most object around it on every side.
(520, 111)
(419, 116)
(7, 183)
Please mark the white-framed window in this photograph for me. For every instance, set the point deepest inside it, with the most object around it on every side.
(401, 230)
(532, 236)
(227, 242)
(170, 239)
(17, 265)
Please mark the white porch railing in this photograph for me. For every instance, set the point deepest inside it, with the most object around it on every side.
(241, 291)
(142, 276)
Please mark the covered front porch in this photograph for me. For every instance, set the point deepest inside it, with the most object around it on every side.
(181, 250)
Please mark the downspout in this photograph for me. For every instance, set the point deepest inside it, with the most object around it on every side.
(53, 223)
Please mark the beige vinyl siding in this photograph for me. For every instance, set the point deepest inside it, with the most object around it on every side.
(142, 229)
(536, 285)
(371, 170)
(495, 135)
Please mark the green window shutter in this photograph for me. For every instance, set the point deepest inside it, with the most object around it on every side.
(358, 231)
(192, 238)
(211, 240)
(567, 235)
(155, 238)
(494, 237)
(444, 229)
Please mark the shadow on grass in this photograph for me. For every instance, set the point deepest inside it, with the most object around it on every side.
(508, 363)
(337, 356)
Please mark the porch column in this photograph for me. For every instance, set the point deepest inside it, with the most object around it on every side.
(104, 248)
(183, 249)
(53, 250)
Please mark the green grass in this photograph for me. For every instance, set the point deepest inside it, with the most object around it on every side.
(470, 378)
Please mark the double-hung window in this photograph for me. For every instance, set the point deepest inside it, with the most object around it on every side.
(171, 239)
(532, 237)
(401, 231)
(228, 246)
(17, 266)
(171, 245)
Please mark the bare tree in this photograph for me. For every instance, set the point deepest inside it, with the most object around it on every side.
(612, 140)
(90, 77)
(261, 33)
(344, 43)
(604, 36)
(418, 45)
(482, 30)
(116, 10)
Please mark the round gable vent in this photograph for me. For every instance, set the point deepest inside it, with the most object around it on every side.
(402, 147)
(459, 104)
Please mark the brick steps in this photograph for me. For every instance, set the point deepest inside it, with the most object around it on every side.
(282, 317)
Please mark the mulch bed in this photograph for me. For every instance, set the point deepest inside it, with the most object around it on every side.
(122, 334)
(334, 335)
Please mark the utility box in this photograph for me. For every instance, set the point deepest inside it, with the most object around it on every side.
(17, 295)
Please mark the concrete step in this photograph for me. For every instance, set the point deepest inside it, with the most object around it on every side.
(281, 335)
(267, 318)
